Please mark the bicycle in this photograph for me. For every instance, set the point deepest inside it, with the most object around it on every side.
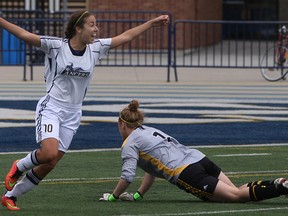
(274, 64)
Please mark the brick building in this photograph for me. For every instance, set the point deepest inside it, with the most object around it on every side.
(180, 9)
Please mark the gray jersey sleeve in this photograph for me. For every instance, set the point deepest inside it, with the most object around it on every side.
(130, 157)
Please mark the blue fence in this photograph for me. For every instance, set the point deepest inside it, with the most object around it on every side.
(184, 43)
(13, 50)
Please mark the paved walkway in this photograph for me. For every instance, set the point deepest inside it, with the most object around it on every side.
(148, 74)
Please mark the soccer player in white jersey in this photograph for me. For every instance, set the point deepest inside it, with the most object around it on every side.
(161, 155)
(69, 64)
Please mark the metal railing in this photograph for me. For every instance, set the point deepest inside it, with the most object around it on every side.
(152, 49)
(184, 43)
(223, 44)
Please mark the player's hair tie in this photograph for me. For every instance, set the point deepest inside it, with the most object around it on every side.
(80, 17)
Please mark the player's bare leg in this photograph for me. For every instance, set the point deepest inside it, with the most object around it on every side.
(48, 156)
(226, 193)
(222, 177)
(43, 169)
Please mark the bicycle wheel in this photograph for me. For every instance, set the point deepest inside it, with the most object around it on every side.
(274, 64)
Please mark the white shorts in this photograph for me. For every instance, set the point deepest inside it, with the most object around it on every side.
(55, 120)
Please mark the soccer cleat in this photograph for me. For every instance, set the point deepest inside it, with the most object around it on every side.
(12, 177)
(9, 203)
(279, 181)
(285, 184)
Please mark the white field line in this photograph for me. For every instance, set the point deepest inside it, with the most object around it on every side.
(106, 179)
(241, 155)
(190, 146)
(141, 177)
(216, 212)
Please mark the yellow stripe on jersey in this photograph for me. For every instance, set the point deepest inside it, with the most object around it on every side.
(124, 143)
(161, 166)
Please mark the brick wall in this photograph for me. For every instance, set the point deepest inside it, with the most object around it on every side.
(180, 10)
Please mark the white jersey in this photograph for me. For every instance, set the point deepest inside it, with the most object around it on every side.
(156, 153)
(67, 75)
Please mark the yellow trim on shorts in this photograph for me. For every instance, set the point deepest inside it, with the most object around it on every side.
(195, 191)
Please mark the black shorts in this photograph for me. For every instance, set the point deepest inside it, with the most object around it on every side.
(200, 179)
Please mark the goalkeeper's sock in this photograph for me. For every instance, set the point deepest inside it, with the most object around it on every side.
(28, 162)
(262, 192)
(26, 184)
(283, 188)
(261, 183)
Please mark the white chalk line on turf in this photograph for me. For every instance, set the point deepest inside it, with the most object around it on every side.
(82, 180)
(241, 155)
(190, 146)
(105, 179)
(216, 212)
(140, 177)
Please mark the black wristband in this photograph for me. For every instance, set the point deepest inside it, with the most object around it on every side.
(115, 196)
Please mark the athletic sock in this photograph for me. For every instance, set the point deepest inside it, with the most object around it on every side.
(282, 190)
(26, 184)
(265, 183)
(262, 192)
(28, 162)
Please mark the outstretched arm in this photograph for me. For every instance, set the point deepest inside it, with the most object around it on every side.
(130, 34)
(125, 196)
(146, 183)
(145, 186)
(20, 33)
(121, 187)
